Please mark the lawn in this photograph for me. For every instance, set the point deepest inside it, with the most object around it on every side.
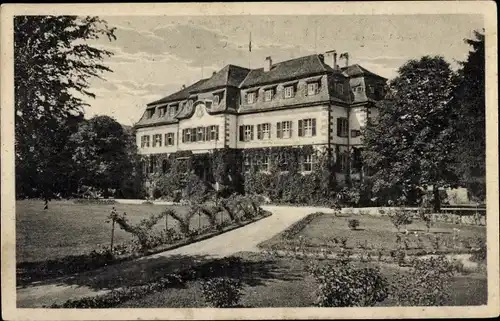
(67, 228)
(283, 282)
(377, 233)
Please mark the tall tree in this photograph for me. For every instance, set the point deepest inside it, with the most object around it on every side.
(409, 146)
(101, 154)
(53, 64)
(470, 119)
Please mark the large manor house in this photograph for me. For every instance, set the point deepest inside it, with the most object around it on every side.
(312, 100)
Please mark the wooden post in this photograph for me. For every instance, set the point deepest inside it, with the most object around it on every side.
(199, 221)
(166, 223)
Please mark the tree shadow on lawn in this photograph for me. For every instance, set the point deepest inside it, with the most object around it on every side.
(151, 269)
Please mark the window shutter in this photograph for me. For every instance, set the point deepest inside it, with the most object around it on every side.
(259, 131)
(306, 89)
(217, 132)
(291, 128)
(314, 126)
(283, 92)
(339, 126)
(183, 135)
(251, 132)
(301, 128)
(241, 133)
(244, 98)
(278, 130)
(193, 134)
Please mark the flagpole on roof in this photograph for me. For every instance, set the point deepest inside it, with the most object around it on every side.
(249, 49)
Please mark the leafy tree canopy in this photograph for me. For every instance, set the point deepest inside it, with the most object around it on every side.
(53, 64)
(409, 146)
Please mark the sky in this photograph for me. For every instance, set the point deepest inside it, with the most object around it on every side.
(155, 55)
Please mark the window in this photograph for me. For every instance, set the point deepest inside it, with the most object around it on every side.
(251, 97)
(355, 133)
(216, 99)
(371, 89)
(247, 164)
(186, 135)
(263, 131)
(307, 127)
(289, 91)
(193, 134)
(268, 94)
(172, 110)
(169, 139)
(342, 127)
(359, 89)
(214, 132)
(307, 163)
(164, 166)
(263, 164)
(284, 129)
(157, 140)
(246, 133)
(339, 88)
(201, 134)
(343, 162)
(145, 141)
(312, 88)
(163, 111)
(152, 164)
(150, 113)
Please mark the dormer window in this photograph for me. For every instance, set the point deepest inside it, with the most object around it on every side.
(289, 91)
(150, 113)
(251, 97)
(172, 110)
(190, 103)
(359, 89)
(162, 111)
(216, 100)
(339, 88)
(312, 88)
(269, 94)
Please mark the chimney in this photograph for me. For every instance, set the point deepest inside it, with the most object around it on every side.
(331, 59)
(213, 73)
(268, 64)
(183, 86)
(345, 55)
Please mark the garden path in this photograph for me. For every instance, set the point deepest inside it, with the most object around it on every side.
(103, 280)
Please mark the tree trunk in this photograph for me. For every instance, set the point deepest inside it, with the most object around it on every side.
(436, 200)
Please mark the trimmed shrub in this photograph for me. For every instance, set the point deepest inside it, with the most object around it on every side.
(98, 201)
(427, 283)
(342, 284)
(400, 217)
(353, 224)
(221, 292)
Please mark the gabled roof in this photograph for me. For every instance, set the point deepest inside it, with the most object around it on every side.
(357, 70)
(230, 75)
(181, 94)
(290, 69)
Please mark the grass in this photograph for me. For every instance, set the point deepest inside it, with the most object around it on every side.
(375, 232)
(67, 228)
(282, 282)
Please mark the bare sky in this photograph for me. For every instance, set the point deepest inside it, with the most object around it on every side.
(155, 56)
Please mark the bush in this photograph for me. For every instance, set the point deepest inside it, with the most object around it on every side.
(479, 254)
(98, 201)
(427, 283)
(353, 224)
(400, 217)
(221, 292)
(342, 284)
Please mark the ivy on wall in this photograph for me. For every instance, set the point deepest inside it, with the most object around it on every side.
(184, 175)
